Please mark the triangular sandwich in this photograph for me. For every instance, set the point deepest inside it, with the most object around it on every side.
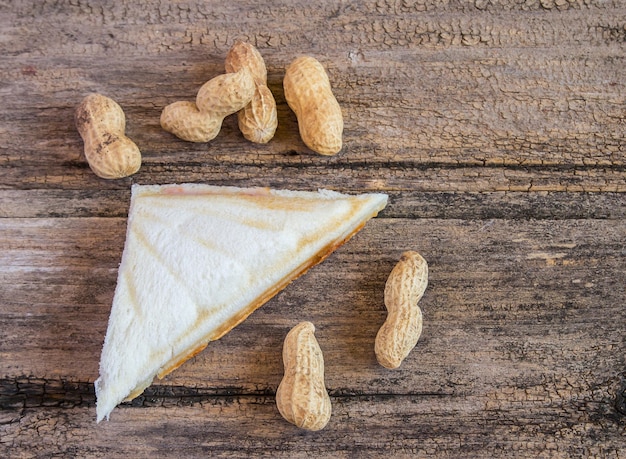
(199, 259)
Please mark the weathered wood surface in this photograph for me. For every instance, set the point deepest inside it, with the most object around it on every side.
(497, 127)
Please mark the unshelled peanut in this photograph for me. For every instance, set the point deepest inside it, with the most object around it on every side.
(258, 120)
(309, 95)
(399, 334)
(217, 98)
(301, 397)
(101, 123)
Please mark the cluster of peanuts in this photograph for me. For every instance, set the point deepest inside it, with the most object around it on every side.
(301, 397)
(242, 89)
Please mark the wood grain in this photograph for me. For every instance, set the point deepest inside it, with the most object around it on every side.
(498, 130)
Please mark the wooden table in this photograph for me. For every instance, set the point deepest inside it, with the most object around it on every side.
(498, 129)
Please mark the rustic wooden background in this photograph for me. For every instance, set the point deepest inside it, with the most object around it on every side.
(498, 128)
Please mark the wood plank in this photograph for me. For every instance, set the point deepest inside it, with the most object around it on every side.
(490, 93)
(521, 302)
(67, 203)
(339, 176)
(410, 426)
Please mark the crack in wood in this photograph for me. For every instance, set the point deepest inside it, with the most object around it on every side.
(620, 396)
(23, 393)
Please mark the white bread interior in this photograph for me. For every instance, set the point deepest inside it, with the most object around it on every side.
(198, 259)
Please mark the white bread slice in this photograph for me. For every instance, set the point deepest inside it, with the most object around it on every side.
(199, 259)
